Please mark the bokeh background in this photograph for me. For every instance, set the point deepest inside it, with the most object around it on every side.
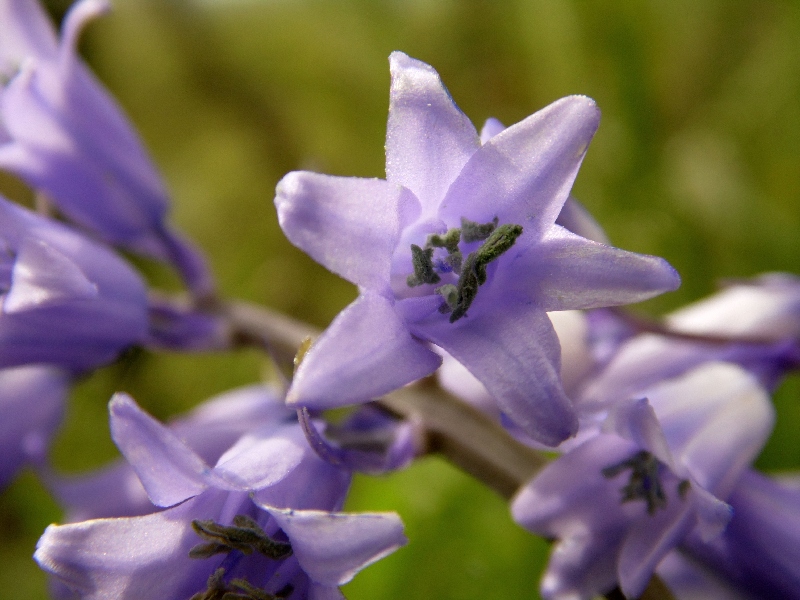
(697, 159)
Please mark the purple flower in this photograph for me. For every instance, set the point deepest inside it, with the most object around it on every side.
(642, 479)
(66, 300)
(31, 404)
(458, 247)
(63, 134)
(261, 523)
(758, 555)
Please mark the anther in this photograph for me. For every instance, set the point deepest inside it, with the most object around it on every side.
(423, 267)
(449, 240)
(476, 232)
(245, 535)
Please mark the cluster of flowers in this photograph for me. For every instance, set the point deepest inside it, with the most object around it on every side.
(473, 263)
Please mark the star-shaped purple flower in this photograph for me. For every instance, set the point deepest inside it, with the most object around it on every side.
(458, 247)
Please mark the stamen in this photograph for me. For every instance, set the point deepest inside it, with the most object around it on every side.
(476, 232)
(245, 535)
(500, 240)
(450, 294)
(423, 267)
(215, 587)
(644, 483)
(449, 240)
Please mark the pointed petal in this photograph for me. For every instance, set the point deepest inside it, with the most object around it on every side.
(428, 138)
(573, 272)
(333, 547)
(514, 352)
(578, 220)
(367, 351)
(524, 174)
(27, 31)
(138, 557)
(348, 224)
(490, 129)
(169, 470)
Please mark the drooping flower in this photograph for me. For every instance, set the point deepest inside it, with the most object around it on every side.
(66, 300)
(654, 471)
(262, 523)
(757, 556)
(458, 247)
(31, 403)
(63, 134)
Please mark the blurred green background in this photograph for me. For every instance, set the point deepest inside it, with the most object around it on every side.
(697, 159)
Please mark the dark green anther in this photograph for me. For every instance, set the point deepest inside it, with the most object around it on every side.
(449, 240)
(215, 587)
(476, 232)
(423, 267)
(247, 591)
(245, 535)
(500, 240)
(473, 271)
(450, 294)
(644, 483)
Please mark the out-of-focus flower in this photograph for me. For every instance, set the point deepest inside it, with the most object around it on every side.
(261, 523)
(66, 300)
(755, 324)
(758, 555)
(31, 403)
(458, 247)
(63, 134)
(645, 477)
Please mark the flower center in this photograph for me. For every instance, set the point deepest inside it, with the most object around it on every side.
(246, 536)
(471, 271)
(645, 482)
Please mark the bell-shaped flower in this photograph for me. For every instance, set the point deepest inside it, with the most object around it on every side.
(458, 247)
(31, 404)
(63, 134)
(654, 471)
(758, 555)
(261, 523)
(755, 324)
(65, 300)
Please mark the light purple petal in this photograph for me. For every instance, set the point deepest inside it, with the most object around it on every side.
(570, 272)
(578, 220)
(169, 470)
(366, 352)
(646, 545)
(333, 547)
(348, 224)
(44, 276)
(490, 129)
(139, 557)
(31, 404)
(524, 174)
(514, 352)
(636, 421)
(264, 457)
(324, 592)
(428, 138)
(27, 31)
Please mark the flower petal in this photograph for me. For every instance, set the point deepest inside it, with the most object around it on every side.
(573, 272)
(348, 224)
(169, 470)
(523, 175)
(333, 547)
(138, 557)
(428, 138)
(514, 352)
(367, 351)
(27, 31)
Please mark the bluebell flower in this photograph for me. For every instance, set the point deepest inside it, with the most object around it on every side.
(66, 300)
(63, 134)
(31, 404)
(642, 477)
(458, 247)
(757, 556)
(262, 523)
